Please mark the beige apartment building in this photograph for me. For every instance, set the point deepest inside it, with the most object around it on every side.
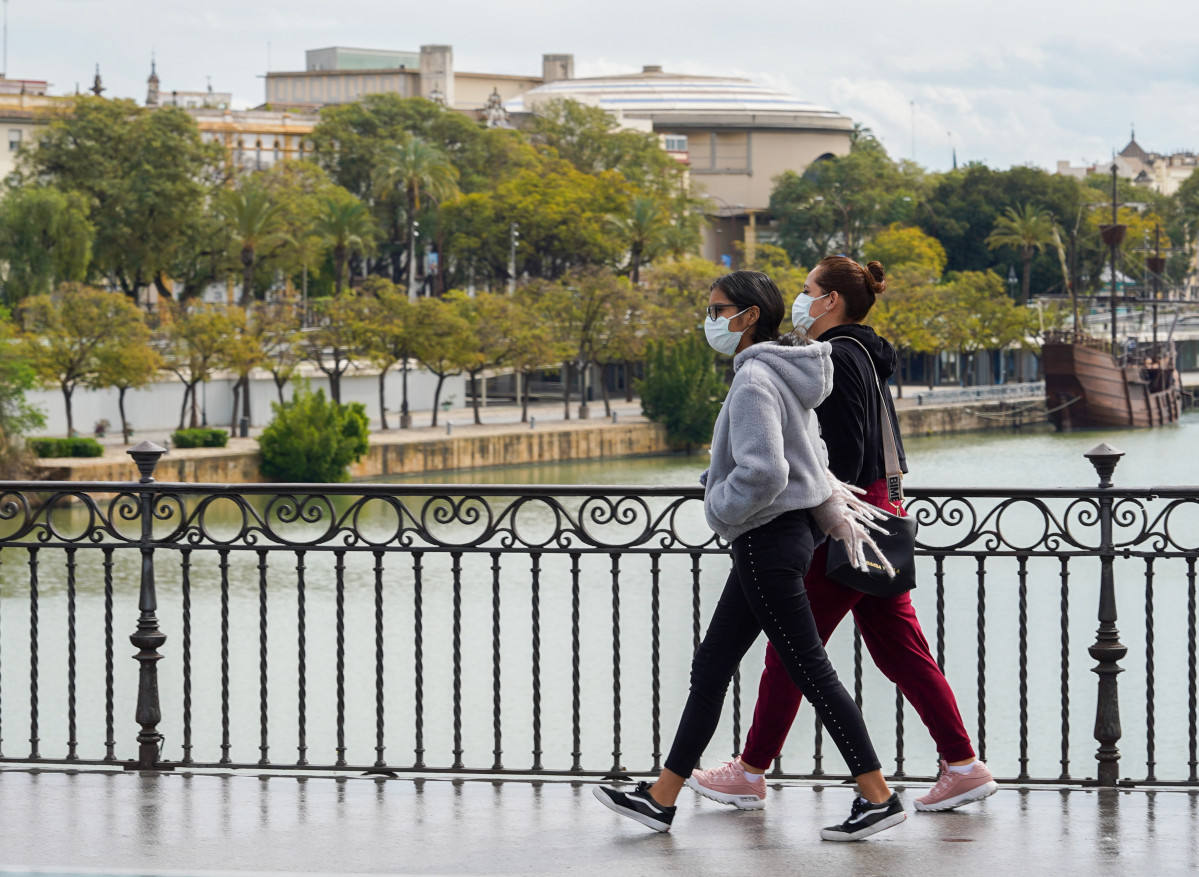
(339, 75)
(25, 109)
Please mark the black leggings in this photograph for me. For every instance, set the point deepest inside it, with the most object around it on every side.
(765, 592)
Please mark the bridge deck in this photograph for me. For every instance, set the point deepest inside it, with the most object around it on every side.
(115, 823)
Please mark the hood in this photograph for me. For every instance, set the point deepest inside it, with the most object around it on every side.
(880, 349)
(807, 369)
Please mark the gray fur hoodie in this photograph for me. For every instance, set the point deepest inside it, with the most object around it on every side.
(767, 454)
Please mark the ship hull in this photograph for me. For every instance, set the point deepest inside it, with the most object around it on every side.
(1086, 387)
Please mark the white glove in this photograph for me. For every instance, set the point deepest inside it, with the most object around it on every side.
(845, 516)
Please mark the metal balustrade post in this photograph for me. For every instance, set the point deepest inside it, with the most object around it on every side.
(1107, 650)
(147, 638)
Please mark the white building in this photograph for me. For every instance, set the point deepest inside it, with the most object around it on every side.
(1161, 172)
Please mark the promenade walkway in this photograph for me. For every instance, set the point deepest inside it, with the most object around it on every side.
(119, 823)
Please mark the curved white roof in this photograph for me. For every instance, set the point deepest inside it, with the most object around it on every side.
(663, 96)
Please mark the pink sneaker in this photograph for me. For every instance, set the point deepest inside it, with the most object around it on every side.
(728, 785)
(955, 789)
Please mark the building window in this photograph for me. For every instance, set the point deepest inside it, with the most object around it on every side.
(731, 152)
(14, 139)
(676, 143)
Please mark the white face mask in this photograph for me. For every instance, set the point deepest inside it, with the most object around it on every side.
(720, 338)
(801, 312)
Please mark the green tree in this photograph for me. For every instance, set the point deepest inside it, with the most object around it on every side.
(960, 208)
(589, 138)
(255, 225)
(66, 336)
(282, 339)
(838, 203)
(562, 215)
(491, 316)
(444, 342)
(313, 440)
(45, 239)
(345, 225)
(902, 245)
(192, 341)
(332, 344)
(682, 389)
(414, 169)
(582, 307)
(1027, 229)
(531, 339)
(129, 366)
(17, 416)
(909, 313)
(644, 231)
(978, 315)
(388, 338)
(138, 170)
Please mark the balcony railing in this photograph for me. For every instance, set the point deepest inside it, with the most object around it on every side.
(549, 630)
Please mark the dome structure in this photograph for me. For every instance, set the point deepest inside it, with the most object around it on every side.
(665, 98)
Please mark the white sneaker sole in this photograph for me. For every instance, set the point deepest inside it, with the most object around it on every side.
(741, 802)
(986, 790)
(647, 821)
(881, 825)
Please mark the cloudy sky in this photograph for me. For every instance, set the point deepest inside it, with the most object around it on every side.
(1022, 82)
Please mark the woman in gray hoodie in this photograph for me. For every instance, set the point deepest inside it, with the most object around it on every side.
(770, 495)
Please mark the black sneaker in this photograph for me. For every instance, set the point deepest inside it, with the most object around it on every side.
(866, 819)
(638, 805)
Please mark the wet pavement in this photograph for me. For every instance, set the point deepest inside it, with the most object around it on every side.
(61, 822)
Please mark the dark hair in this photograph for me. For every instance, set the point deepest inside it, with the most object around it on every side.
(857, 285)
(748, 289)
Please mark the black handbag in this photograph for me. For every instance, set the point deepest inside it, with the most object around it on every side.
(897, 543)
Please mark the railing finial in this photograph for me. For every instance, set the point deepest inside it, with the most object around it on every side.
(1104, 458)
(146, 456)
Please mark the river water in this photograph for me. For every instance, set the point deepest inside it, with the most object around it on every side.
(1027, 460)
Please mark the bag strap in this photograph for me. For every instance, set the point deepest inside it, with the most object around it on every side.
(890, 446)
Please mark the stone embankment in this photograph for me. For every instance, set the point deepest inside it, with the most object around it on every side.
(499, 441)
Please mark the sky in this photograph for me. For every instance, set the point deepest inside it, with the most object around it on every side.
(1022, 82)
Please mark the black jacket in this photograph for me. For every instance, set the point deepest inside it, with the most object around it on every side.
(849, 419)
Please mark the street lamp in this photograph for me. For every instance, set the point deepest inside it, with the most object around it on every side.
(515, 233)
(1012, 280)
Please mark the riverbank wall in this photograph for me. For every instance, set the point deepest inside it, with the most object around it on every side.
(471, 446)
(391, 453)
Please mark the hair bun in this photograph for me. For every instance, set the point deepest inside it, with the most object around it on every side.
(876, 277)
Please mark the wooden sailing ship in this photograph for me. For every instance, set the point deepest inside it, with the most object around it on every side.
(1086, 385)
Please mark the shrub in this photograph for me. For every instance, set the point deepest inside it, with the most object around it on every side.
(312, 439)
(66, 447)
(200, 438)
(682, 390)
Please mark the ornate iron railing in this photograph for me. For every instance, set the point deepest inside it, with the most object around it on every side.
(423, 628)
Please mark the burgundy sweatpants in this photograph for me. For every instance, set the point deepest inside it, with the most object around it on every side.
(893, 636)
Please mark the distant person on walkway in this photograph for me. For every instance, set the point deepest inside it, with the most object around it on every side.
(837, 296)
(770, 495)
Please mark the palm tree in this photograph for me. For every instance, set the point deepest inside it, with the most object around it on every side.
(255, 222)
(346, 226)
(416, 168)
(1027, 229)
(644, 231)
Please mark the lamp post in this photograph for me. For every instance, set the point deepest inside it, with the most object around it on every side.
(515, 233)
